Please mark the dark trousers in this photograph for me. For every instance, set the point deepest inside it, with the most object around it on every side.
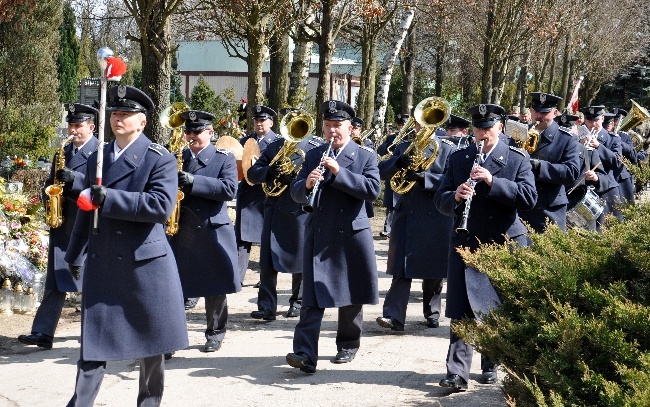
(397, 298)
(348, 333)
(216, 313)
(459, 358)
(267, 296)
(49, 312)
(91, 373)
(243, 257)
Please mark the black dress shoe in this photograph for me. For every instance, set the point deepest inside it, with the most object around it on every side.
(258, 284)
(190, 303)
(211, 345)
(168, 356)
(384, 234)
(489, 377)
(293, 312)
(454, 381)
(390, 322)
(264, 314)
(38, 339)
(301, 361)
(432, 323)
(344, 356)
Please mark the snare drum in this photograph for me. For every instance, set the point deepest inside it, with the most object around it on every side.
(585, 206)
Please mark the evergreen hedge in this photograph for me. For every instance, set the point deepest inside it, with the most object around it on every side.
(574, 327)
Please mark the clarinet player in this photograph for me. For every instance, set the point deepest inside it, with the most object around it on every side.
(504, 185)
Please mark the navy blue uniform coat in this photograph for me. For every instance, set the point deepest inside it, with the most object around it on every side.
(58, 276)
(493, 215)
(205, 247)
(284, 219)
(559, 156)
(250, 200)
(132, 304)
(419, 237)
(340, 267)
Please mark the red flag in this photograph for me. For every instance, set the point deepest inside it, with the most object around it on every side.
(573, 102)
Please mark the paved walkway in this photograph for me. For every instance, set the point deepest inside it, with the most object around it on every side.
(391, 368)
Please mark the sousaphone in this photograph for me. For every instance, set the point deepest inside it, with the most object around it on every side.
(234, 146)
(250, 154)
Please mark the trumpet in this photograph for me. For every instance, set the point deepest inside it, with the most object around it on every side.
(363, 136)
(312, 196)
(408, 128)
(462, 227)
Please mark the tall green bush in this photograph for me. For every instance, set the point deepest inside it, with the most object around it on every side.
(574, 327)
(23, 134)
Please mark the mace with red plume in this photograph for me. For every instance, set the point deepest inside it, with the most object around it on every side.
(112, 70)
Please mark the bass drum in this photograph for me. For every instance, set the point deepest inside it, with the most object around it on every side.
(585, 206)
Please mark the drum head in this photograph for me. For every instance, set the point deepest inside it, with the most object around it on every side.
(249, 156)
(575, 197)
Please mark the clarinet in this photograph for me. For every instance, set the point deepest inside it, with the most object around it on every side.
(312, 197)
(462, 228)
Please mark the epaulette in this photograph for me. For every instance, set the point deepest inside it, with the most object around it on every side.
(318, 138)
(223, 151)
(518, 150)
(275, 140)
(565, 130)
(367, 149)
(157, 148)
(613, 134)
(314, 142)
(448, 142)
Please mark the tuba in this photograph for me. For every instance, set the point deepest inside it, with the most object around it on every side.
(54, 205)
(170, 118)
(295, 126)
(430, 114)
(637, 115)
(637, 140)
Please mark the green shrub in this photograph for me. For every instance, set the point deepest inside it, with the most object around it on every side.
(574, 327)
(25, 132)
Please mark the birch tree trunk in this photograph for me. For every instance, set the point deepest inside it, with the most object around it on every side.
(299, 75)
(387, 71)
(408, 72)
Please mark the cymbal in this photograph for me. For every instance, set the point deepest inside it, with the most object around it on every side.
(231, 144)
(249, 156)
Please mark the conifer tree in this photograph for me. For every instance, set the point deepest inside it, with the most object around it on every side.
(68, 60)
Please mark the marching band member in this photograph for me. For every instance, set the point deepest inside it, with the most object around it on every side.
(357, 129)
(592, 172)
(389, 198)
(250, 198)
(629, 151)
(609, 149)
(555, 163)
(132, 304)
(58, 280)
(623, 177)
(205, 246)
(419, 233)
(457, 131)
(340, 267)
(283, 234)
(505, 185)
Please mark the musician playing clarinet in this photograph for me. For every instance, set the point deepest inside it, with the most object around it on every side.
(504, 184)
(340, 267)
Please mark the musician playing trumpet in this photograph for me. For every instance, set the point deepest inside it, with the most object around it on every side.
(504, 185)
(340, 267)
